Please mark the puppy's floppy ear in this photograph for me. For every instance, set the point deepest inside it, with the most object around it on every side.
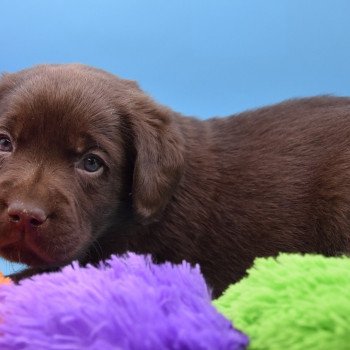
(159, 157)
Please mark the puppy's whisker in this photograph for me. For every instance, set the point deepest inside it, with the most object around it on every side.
(19, 259)
(97, 247)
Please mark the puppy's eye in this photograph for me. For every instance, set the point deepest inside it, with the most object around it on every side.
(5, 144)
(92, 163)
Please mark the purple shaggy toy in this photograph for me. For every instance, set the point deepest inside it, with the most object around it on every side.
(128, 304)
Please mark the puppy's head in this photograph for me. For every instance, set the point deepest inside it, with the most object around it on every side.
(81, 151)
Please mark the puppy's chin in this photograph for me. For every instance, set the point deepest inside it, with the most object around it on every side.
(21, 252)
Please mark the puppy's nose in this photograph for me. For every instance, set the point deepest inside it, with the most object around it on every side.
(27, 215)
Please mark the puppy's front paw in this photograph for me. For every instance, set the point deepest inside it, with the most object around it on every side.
(28, 273)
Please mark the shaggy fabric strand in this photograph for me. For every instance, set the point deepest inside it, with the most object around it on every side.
(130, 303)
(293, 302)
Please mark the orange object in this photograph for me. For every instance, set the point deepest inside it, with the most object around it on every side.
(4, 280)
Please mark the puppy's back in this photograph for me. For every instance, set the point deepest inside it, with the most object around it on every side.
(270, 180)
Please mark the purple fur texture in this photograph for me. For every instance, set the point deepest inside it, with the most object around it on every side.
(130, 303)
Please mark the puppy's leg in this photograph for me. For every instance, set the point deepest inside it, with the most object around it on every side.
(30, 272)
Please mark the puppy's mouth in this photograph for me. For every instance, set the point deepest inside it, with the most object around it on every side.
(22, 252)
(39, 249)
(15, 246)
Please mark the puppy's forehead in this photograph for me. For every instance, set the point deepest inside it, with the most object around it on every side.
(57, 107)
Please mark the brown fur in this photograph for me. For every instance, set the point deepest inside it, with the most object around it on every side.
(218, 192)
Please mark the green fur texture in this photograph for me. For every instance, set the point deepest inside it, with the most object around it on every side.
(292, 302)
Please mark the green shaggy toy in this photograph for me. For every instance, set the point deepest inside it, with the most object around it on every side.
(293, 302)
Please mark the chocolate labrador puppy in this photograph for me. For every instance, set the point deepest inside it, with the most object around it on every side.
(91, 166)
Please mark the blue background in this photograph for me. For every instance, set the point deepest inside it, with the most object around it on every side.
(200, 57)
